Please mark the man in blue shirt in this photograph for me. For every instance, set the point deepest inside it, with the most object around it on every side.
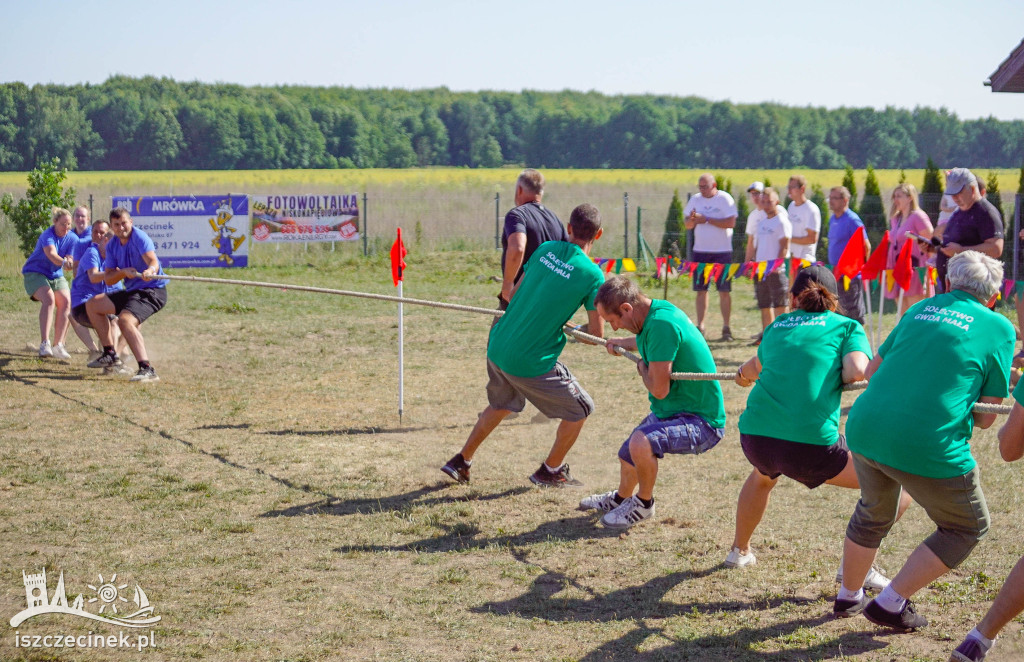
(843, 226)
(132, 259)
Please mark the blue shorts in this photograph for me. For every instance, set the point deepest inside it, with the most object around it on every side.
(686, 434)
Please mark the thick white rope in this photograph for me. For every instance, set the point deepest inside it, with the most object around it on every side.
(981, 408)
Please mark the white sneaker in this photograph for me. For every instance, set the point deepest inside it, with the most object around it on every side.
(44, 349)
(875, 580)
(737, 559)
(60, 353)
(605, 502)
(627, 513)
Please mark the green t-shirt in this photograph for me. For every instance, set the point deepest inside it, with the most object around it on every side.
(797, 394)
(1018, 391)
(915, 415)
(669, 335)
(557, 279)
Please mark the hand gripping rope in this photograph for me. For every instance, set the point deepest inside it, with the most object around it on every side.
(981, 408)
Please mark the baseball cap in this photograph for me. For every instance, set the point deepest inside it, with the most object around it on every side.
(957, 179)
(815, 273)
(756, 186)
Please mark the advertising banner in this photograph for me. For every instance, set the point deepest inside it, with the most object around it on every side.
(193, 231)
(305, 217)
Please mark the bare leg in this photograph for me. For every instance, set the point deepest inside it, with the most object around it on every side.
(62, 299)
(485, 424)
(857, 562)
(129, 326)
(921, 569)
(751, 507)
(627, 479)
(98, 308)
(84, 335)
(702, 309)
(565, 437)
(725, 305)
(1007, 605)
(44, 295)
(646, 465)
(767, 317)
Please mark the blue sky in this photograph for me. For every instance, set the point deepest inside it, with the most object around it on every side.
(831, 54)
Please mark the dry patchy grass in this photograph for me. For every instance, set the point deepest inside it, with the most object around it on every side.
(269, 501)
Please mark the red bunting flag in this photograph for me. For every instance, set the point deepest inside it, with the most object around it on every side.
(852, 260)
(398, 254)
(879, 256)
(609, 265)
(903, 270)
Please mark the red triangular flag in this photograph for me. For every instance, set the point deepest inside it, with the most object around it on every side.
(398, 254)
(852, 260)
(903, 270)
(879, 256)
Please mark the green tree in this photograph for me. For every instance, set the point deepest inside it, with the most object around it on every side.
(931, 190)
(673, 226)
(872, 211)
(32, 214)
(903, 177)
(851, 185)
(1020, 183)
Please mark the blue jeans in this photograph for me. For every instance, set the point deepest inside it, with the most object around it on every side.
(684, 433)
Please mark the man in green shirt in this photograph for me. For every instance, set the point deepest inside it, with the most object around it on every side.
(686, 416)
(525, 343)
(910, 430)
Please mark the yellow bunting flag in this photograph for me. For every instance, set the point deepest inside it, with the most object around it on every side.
(890, 280)
(846, 282)
(707, 271)
(761, 266)
(628, 264)
(732, 271)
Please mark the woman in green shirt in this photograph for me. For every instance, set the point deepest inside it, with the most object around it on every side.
(791, 423)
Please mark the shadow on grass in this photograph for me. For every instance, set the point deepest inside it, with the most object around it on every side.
(647, 602)
(385, 504)
(7, 373)
(465, 536)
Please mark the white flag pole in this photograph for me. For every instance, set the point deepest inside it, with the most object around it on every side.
(401, 356)
(867, 298)
(882, 280)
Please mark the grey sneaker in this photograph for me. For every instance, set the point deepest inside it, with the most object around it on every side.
(60, 353)
(105, 361)
(116, 370)
(146, 375)
(457, 469)
(45, 351)
(627, 513)
(969, 650)
(875, 580)
(560, 478)
(907, 620)
(605, 502)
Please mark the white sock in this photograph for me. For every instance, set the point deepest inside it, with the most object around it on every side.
(890, 600)
(985, 642)
(554, 470)
(847, 594)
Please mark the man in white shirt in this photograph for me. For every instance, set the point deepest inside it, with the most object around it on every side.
(712, 217)
(772, 243)
(806, 220)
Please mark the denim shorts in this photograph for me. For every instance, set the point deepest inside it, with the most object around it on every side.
(684, 433)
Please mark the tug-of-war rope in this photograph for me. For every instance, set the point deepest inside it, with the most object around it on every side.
(980, 407)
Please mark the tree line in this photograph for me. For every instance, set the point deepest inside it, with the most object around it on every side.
(158, 124)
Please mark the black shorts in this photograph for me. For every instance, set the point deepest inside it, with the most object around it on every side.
(809, 464)
(722, 284)
(140, 303)
(79, 315)
(772, 290)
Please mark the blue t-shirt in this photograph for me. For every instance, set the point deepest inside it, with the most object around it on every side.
(83, 244)
(82, 289)
(38, 263)
(130, 255)
(839, 232)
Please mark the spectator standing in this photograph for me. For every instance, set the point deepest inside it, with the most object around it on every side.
(907, 216)
(772, 243)
(844, 225)
(712, 216)
(805, 217)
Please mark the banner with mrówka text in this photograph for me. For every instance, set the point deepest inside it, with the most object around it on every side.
(193, 230)
(305, 217)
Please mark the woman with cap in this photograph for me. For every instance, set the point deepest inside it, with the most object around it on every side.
(791, 423)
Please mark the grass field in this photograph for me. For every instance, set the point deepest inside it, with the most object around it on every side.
(272, 506)
(454, 208)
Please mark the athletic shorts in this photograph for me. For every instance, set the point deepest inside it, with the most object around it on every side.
(809, 464)
(773, 290)
(79, 315)
(556, 393)
(140, 303)
(33, 281)
(721, 283)
(686, 434)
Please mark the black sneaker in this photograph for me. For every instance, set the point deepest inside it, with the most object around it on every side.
(457, 469)
(560, 478)
(726, 334)
(105, 361)
(145, 375)
(907, 620)
(849, 608)
(969, 650)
